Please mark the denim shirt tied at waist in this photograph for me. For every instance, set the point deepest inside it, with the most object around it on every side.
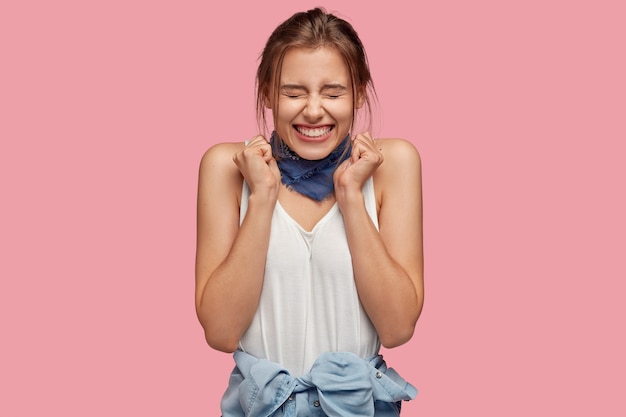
(340, 384)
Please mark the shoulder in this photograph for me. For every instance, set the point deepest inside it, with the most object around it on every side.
(220, 156)
(218, 173)
(400, 172)
(398, 181)
(400, 156)
(397, 148)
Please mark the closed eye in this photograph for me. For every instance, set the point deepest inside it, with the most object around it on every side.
(334, 91)
(293, 91)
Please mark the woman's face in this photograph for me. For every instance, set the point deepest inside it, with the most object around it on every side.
(315, 101)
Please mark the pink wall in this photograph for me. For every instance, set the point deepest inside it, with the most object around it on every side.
(518, 109)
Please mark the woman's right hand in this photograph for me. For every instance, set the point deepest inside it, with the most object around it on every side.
(259, 168)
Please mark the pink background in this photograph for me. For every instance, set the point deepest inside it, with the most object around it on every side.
(518, 109)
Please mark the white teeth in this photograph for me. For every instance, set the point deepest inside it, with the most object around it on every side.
(313, 133)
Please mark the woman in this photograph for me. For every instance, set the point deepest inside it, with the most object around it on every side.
(309, 251)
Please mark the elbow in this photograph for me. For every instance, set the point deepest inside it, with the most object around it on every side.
(221, 343)
(397, 337)
(217, 337)
(401, 333)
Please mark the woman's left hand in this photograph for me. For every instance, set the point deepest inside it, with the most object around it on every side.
(365, 158)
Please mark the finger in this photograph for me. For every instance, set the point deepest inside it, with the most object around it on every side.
(360, 144)
(364, 136)
(266, 152)
(256, 140)
(367, 139)
(360, 147)
(367, 135)
(258, 145)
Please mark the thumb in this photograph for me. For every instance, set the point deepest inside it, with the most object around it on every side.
(342, 167)
(274, 168)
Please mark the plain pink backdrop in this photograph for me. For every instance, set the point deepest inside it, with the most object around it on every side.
(517, 107)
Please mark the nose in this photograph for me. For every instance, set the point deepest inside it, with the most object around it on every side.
(313, 109)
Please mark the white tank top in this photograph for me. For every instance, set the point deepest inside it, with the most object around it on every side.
(309, 303)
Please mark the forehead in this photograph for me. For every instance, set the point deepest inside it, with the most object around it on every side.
(314, 66)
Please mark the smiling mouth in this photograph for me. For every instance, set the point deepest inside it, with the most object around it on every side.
(314, 132)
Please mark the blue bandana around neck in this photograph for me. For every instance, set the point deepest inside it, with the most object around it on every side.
(313, 179)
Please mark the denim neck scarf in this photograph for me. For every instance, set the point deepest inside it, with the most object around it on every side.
(313, 179)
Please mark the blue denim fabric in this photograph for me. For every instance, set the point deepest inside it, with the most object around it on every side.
(340, 384)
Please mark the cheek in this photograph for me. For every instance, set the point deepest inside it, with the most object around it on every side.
(340, 111)
(288, 110)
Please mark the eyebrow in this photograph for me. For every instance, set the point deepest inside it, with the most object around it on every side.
(325, 87)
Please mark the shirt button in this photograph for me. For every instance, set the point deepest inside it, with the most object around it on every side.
(316, 403)
(291, 397)
(379, 375)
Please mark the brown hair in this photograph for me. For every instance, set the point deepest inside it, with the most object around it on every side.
(312, 29)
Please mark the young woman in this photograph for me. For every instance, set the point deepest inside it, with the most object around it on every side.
(309, 251)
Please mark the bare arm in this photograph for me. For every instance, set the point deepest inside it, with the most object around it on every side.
(230, 259)
(388, 266)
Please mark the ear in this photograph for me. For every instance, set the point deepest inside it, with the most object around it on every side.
(360, 98)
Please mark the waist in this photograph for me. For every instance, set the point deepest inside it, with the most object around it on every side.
(339, 383)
